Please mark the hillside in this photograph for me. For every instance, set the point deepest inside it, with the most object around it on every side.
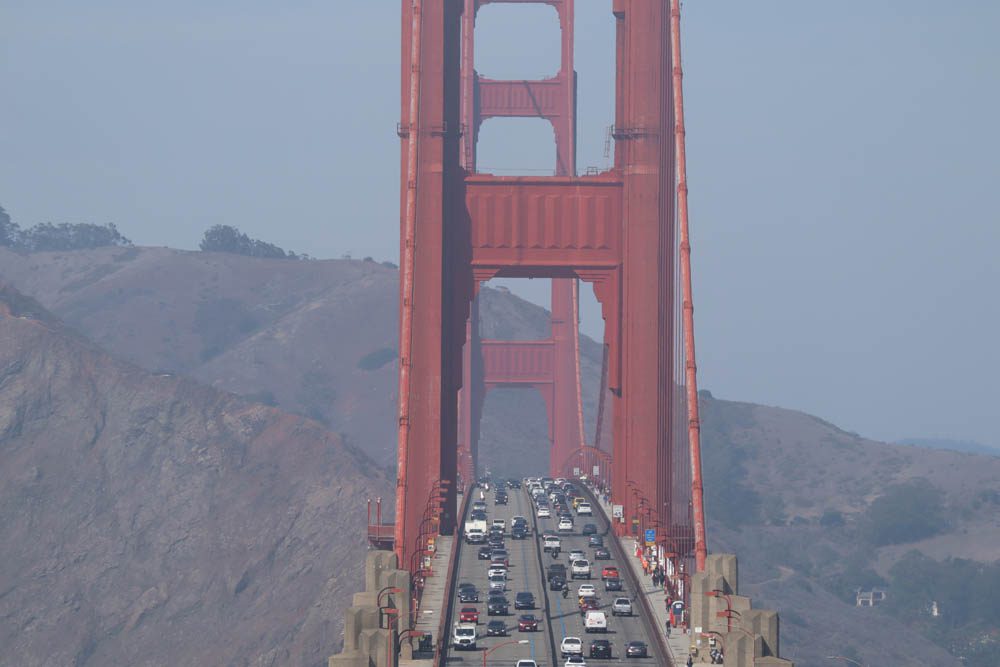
(316, 338)
(813, 511)
(151, 520)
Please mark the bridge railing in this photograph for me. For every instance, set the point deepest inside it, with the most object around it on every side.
(449, 590)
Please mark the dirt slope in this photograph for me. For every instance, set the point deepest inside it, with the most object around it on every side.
(151, 520)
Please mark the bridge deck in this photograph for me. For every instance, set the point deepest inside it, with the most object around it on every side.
(559, 617)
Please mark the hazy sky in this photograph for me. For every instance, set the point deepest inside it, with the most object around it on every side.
(844, 166)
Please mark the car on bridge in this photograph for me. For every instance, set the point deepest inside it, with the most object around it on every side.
(556, 570)
(580, 569)
(596, 541)
(595, 621)
(550, 542)
(500, 557)
(543, 512)
(584, 509)
(565, 524)
(500, 499)
(576, 554)
(498, 582)
(518, 533)
(479, 506)
(468, 593)
(524, 600)
(485, 553)
(621, 607)
(496, 629)
(586, 591)
(475, 536)
(468, 615)
(496, 569)
(589, 529)
(600, 648)
(526, 663)
(636, 649)
(463, 637)
(609, 572)
(557, 583)
(575, 661)
(497, 605)
(570, 646)
(613, 584)
(527, 623)
(602, 553)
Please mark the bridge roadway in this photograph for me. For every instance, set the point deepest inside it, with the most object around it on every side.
(558, 617)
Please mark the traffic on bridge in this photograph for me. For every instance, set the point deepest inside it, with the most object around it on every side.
(540, 581)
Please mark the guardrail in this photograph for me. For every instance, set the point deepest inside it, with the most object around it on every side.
(656, 633)
(449, 589)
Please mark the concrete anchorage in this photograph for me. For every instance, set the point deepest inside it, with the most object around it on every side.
(747, 637)
(371, 624)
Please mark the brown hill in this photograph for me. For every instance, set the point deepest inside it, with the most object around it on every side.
(316, 338)
(151, 520)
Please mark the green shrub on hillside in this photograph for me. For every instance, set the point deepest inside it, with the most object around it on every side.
(905, 513)
(47, 237)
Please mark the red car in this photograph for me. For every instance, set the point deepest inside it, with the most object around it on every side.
(468, 615)
(610, 572)
(527, 623)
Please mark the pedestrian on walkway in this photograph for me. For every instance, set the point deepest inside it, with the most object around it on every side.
(668, 627)
(690, 662)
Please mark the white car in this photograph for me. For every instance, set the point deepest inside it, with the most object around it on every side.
(584, 509)
(500, 523)
(586, 591)
(543, 513)
(498, 582)
(580, 569)
(571, 646)
(526, 663)
(551, 542)
(565, 524)
(575, 661)
(496, 570)
(621, 607)
(576, 554)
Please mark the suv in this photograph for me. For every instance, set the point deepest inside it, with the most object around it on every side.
(468, 593)
(581, 569)
(584, 509)
(497, 605)
(621, 607)
(498, 629)
(463, 637)
(589, 529)
(613, 584)
(556, 570)
(600, 648)
(551, 542)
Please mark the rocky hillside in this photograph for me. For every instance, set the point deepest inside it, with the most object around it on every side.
(813, 511)
(316, 338)
(150, 520)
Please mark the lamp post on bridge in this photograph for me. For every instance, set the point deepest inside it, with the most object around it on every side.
(501, 644)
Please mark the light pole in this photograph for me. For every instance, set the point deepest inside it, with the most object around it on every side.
(510, 643)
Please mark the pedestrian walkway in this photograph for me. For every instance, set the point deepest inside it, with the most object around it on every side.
(432, 602)
(679, 640)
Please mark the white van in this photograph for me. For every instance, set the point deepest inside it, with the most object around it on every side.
(464, 637)
(595, 621)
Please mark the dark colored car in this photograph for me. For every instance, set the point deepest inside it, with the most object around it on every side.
(557, 583)
(596, 541)
(612, 584)
(496, 629)
(468, 594)
(468, 615)
(514, 483)
(636, 649)
(527, 623)
(602, 553)
(556, 570)
(589, 529)
(518, 533)
(485, 553)
(497, 605)
(495, 540)
(600, 648)
(524, 600)
(500, 499)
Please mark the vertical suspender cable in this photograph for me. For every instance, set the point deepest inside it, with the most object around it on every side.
(407, 260)
(576, 358)
(691, 374)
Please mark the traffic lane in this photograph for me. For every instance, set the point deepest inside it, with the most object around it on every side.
(523, 574)
(566, 617)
